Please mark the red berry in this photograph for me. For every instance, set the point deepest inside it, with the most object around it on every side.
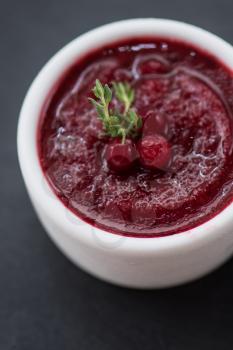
(120, 157)
(154, 152)
(154, 123)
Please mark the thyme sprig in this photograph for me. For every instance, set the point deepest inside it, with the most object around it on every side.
(116, 124)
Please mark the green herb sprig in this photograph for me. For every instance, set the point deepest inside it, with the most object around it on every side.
(116, 124)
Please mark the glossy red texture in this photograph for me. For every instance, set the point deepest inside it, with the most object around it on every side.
(177, 83)
(154, 151)
(120, 157)
(155, 123)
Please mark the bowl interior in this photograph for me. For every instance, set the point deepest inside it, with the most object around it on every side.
(37, 186)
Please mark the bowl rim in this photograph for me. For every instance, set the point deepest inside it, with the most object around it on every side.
(40, 191)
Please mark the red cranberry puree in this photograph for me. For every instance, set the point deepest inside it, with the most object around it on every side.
(190, 95)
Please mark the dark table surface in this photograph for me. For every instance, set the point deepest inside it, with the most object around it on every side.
(46, 302)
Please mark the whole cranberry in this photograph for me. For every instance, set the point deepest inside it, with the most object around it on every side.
(154, 152)
(154, 123)
(121, 157)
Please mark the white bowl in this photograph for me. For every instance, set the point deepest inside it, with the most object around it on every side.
(127, 261)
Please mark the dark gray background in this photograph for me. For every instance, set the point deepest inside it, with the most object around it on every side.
(45, 302)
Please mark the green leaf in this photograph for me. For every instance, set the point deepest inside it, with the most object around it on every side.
(107, 94)
(132, 115)
(101, 112)
(124, 93)
(131, 96)
(114, 120)
(93, 101)
(139, 123)
(98, 89)
(95, 92)
(120, 92)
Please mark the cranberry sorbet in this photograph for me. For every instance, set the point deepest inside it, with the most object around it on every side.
(182, 91)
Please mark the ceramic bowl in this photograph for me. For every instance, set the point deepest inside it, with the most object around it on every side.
(126, 261)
